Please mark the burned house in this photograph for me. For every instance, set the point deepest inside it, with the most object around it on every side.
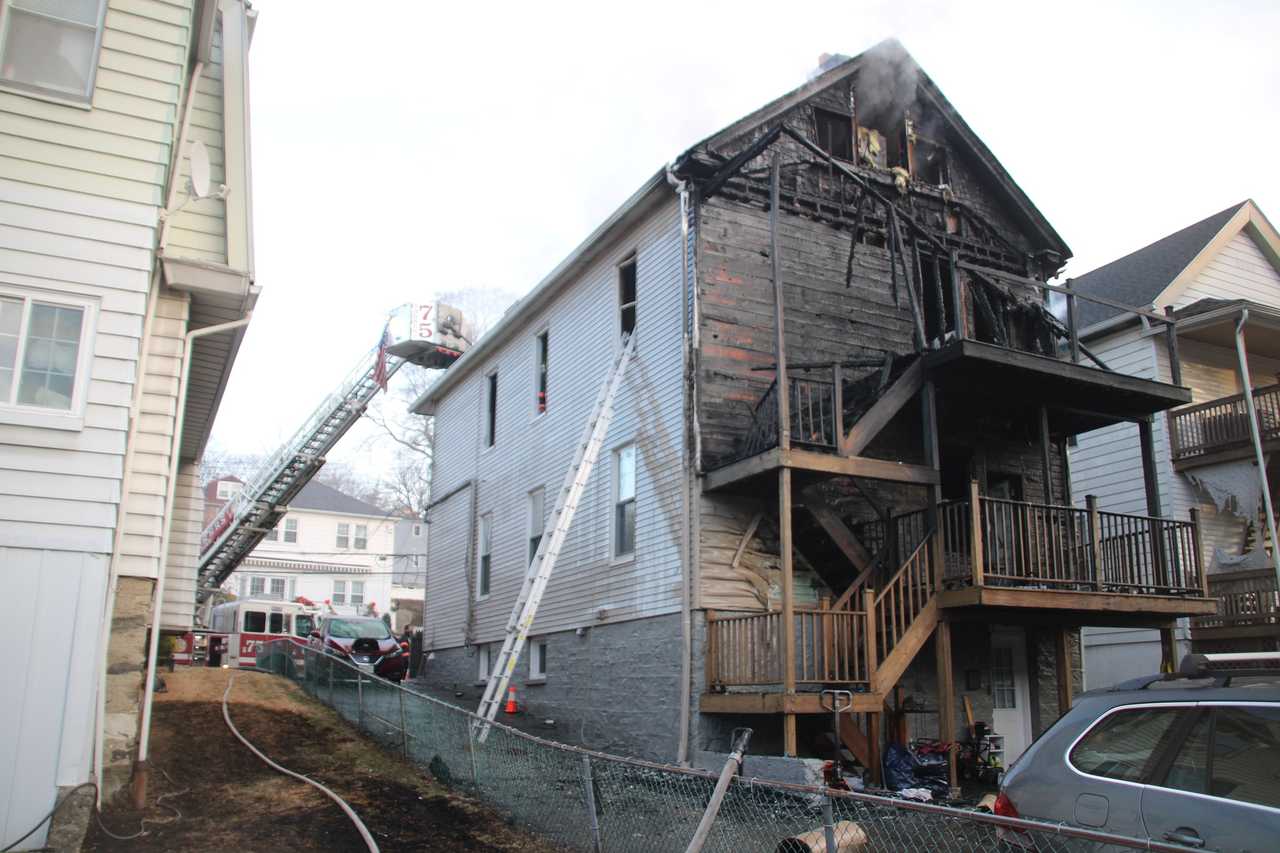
(836, 462)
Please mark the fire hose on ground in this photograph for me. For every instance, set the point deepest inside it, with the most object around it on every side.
(355, 819)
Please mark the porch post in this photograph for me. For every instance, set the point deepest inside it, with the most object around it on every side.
(873, 747)
(1046, 469)
(975, 532)
(788, 610)
(933, 458)
(946, 696)
(1151, 478)
(780, 342)
(1062, 659)
(1095, 539)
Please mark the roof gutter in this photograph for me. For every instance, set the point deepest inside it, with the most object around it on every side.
(519, 313)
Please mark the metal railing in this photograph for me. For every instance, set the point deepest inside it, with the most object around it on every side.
(1223, 424)
(1246, 599)
(581, 799)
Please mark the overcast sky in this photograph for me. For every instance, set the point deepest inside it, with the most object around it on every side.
(402, 150)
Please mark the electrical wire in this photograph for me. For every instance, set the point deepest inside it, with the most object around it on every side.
(50, 815)
(355, 819)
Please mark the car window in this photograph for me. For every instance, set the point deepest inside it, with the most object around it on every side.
(1124, 744)
(255, 623)
(302, 625)
(355, 629)
(1246, 755)
(1189, 770)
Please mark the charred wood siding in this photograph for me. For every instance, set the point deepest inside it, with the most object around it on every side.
(532, 450)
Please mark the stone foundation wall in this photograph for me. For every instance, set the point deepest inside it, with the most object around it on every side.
(126, 667)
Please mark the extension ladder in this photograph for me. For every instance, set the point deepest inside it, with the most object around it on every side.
(256, 509)
(544, 560)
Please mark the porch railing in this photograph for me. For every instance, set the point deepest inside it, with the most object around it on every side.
(1223, 423)
(747, 649)
(1245, 599)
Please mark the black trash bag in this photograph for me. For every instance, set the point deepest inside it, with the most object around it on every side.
(899, 768)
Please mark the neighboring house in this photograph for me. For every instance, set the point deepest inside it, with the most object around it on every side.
(905, 529)
(107, 265)
(328, 547)
(410, 558)
(1212, 275)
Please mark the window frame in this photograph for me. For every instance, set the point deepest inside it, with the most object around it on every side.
(821, 116)
(219, 491)
(338, 596)
(616, 503)
(484, 663)
(271, 587)
(632, 261)
(72, 418)
(1154, 763)
(357, 592)
(360, 537)
(538, 659)
(260, 582)
(30, 90)
(537, 526)
(417, 530)
(1211, 707)
(484, 557)
(290, 531)
(490, 412)
(541, 370)
(342, 537)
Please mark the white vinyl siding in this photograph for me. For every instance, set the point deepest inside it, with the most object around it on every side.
(184, 550)
(588, 587)
(1239, 271)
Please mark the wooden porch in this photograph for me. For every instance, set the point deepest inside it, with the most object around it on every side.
(1248, 611)
(1218, 431)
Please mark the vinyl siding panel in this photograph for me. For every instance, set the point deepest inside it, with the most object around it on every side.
(531, 450)
(178, 611)
(1238, 271)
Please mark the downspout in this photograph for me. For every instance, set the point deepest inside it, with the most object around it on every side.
(1254, 433)
(153, 299)
(686, 547)
(148, 696)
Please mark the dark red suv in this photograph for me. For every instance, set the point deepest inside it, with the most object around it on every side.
(365, 642)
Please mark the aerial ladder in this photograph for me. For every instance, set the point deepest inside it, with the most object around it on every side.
(432, 335)
(538, 574)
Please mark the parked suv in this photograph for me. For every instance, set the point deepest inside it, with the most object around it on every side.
(1191, 758)
(365, 642)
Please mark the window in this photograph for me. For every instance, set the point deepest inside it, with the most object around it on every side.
(254, 622)
(491, 410)
(291, 530)
(357, 593)
(536, 502)
(484, 663)
(257, 586)
(417, 530)
(276, 624)
(362, 537)
(835, 134)
(624, 501)
(344, 536)
(273, 535)
(1246, 752)
(486, 567)
(51, 46)
(540, 374)
(42, 349)
(538, 659)
(339, 592)
(1124, 744)
(227, 489)
(627, 295)
(303, 625)
(277, 588)
(1003, 689)
(1189, 770)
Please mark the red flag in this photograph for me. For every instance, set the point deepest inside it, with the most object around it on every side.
(380, 368)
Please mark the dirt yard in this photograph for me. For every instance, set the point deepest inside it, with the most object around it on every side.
(228, 800)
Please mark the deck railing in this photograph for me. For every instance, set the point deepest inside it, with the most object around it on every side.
(746, 649)
(1223, 423)
(1245, 599)
(896, 606)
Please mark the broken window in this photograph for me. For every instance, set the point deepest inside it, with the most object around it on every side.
(491, 409)
(536, 504)
(627, 295)
(929, 162)
(540, 373)
(835, 133)
(935, 282)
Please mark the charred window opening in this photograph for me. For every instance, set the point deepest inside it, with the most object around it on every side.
(929, 162)
(935, 281)
(627, 295)
(835, 134)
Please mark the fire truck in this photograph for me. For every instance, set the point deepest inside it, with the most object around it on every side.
(237, 631)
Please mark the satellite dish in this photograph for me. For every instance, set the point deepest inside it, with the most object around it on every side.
(199, 170)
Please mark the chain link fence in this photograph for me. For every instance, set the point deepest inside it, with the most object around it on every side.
(591, 801)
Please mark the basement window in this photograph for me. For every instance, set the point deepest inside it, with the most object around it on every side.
(627, 295)
(835, 134)
(51, 48)
(540, 373)
(538, 660)
(491, 409)
(484, 663)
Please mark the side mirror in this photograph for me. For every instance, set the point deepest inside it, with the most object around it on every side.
(315, 634)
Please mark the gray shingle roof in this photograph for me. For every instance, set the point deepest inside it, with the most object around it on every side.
(1139, 277)
(318, 496)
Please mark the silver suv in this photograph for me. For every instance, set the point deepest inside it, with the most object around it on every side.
(1191, 758)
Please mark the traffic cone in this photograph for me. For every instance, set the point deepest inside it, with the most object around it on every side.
(511, 707)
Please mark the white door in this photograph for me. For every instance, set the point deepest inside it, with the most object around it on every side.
(1010, 695)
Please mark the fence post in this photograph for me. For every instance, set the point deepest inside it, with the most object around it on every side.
(589, 787)
(1095, 539)
(332, 702)
(359, 699)
(404, 731)
(471, 750)
(829, 823)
